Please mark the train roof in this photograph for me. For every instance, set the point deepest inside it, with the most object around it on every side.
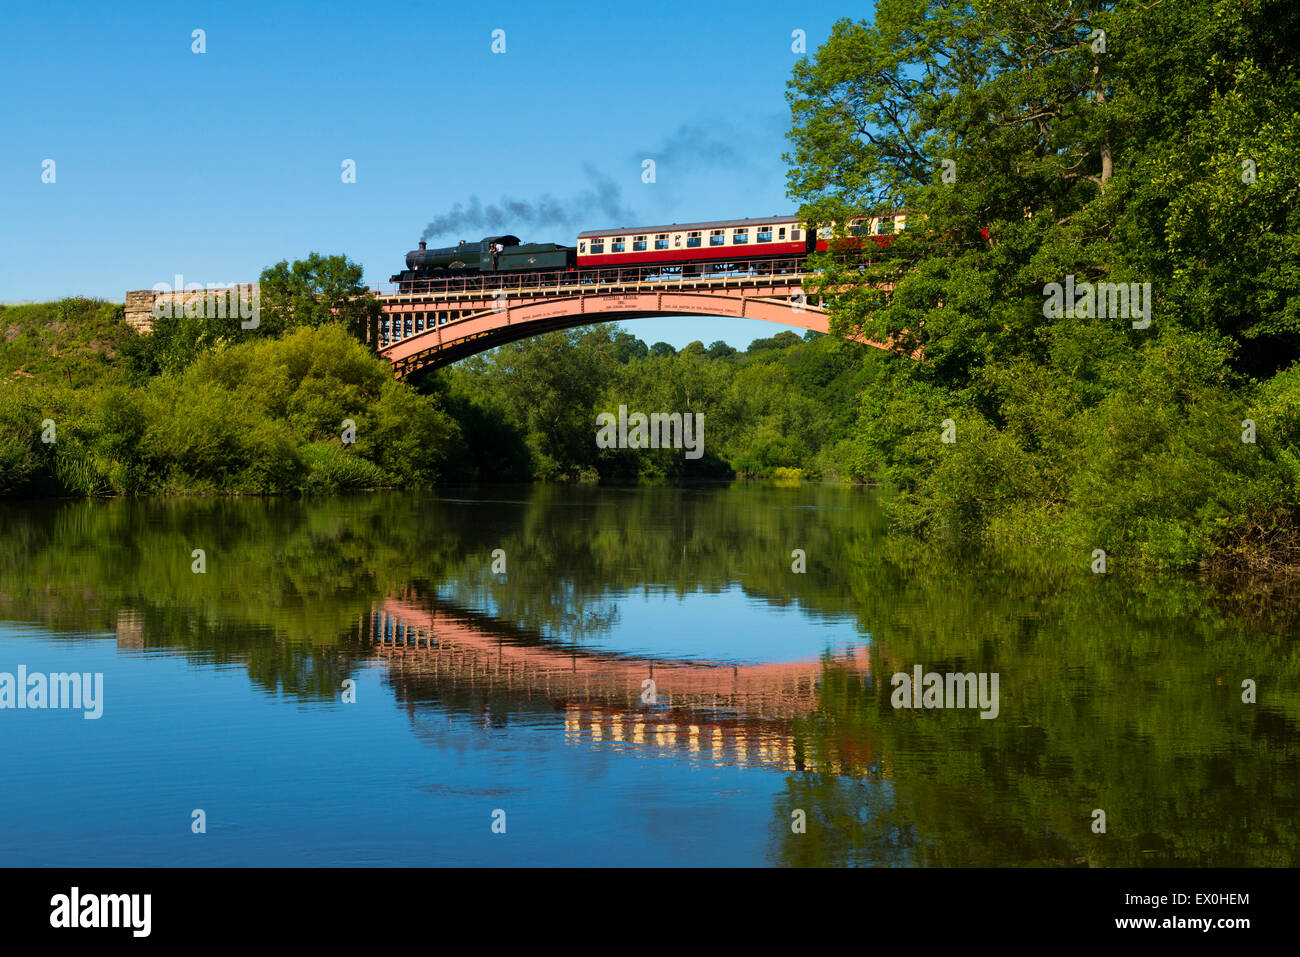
(678, 227)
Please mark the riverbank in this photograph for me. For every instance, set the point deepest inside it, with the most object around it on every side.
(1152, 477)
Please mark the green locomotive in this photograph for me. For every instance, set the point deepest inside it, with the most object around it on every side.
(490, 256)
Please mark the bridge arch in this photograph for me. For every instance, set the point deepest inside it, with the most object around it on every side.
(422, 330)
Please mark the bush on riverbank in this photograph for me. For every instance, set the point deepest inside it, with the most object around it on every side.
(263, 416)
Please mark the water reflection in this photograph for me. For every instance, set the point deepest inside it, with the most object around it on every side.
(725, 713)
(770, 690)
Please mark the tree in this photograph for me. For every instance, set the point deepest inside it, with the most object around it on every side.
(782, 340)
(315, 291)
(1033, 141)
(1060, 143)
(628, 347)
(661, 349)
(546, 390)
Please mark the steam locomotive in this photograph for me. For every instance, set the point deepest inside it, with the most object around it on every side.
(492, 254)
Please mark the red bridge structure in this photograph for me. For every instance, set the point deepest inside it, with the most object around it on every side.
(732, 714)
(430, 323)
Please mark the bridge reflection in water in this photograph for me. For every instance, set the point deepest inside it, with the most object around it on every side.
(715, 712)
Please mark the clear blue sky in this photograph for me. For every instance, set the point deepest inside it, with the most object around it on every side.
(216, 165)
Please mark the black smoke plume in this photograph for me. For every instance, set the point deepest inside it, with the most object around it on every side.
(600, 204)
(695, 146)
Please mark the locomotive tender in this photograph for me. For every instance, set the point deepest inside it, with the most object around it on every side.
(691, 247)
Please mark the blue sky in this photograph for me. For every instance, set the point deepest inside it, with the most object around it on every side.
(216, 165)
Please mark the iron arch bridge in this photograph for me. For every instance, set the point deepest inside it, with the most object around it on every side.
(435, 322)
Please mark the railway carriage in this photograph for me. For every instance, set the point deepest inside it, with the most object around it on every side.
(726, 240)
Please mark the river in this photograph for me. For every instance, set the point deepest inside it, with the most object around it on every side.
(602, 676)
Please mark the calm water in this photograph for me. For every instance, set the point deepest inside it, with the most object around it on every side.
(526, 695)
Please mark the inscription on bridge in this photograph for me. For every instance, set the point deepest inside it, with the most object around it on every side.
(712, 306)
(551, 308)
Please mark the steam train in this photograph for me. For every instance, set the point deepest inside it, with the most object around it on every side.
(692, 247)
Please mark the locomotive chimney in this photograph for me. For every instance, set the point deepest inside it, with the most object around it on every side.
(421, 243)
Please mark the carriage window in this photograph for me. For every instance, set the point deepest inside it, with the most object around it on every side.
(860, 227)
(661, 241)
(764, 234)
(638, 244)
(740, 235)
(794, 233)
(693, 239)
(717, 237)
(617, 244)
(597, 246)
(780, 234)
(582, 246)
(885, 227)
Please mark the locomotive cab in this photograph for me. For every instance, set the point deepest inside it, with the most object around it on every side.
(490, 250)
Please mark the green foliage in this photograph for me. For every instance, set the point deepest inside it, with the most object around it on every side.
(547, 386)
(175, 341)
(782, 340)
(1024, 150)
(201, 404)
(316, 291)
(24, 459)
(1276, 414)
(265, 416)
(73, 339)
(529, 410)
(329, 466)
(310, 293)
(411, 438)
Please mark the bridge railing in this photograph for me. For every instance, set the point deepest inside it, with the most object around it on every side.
(491, 283)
